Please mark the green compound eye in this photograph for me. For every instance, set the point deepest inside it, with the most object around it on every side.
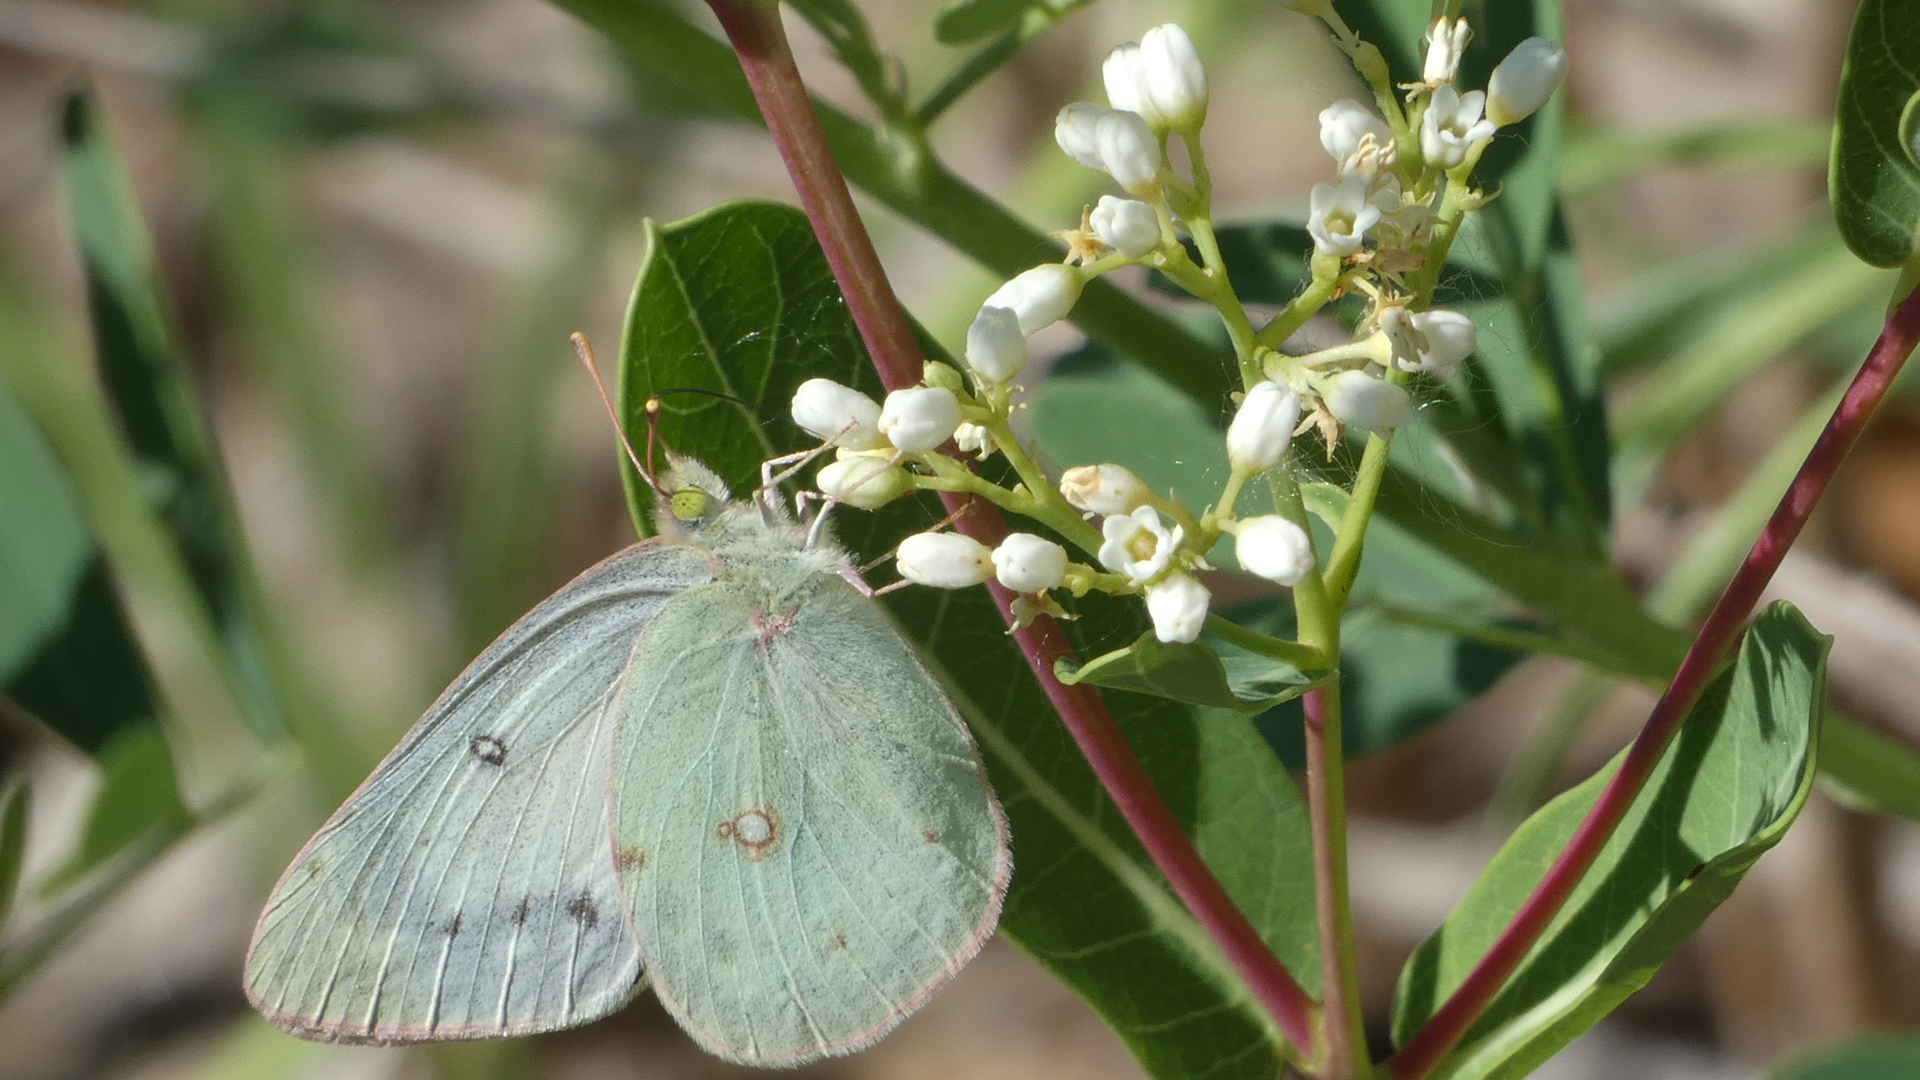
(691, 504)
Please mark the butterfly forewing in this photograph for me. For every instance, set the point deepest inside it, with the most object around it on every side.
(468, 888)
(807, 841)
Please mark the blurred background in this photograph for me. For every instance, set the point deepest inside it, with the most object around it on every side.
(377, 224)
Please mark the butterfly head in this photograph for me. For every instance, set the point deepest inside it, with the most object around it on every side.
(688, 496)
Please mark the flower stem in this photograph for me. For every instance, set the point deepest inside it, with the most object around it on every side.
(1339, 963)
(1723, 626)
(1304, 657)
(1344, 564)
(754, 30)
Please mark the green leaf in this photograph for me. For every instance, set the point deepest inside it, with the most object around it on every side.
(971, 20)
(740, 299)
(1872, 178)
(13, 841)
(146, 376)
(1884, 1056)
(1191, 673)
(1869, 771)
(138, 803)
(66, 653)
(845, 29)
(1724, 792)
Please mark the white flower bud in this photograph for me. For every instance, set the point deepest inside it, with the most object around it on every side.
(1274, 548)
(1103, 489)
(1073, 130)
(973, 439)
(1027, 563)
(1129, 150)
(1339, 215)
(1128, 226)
(1452, 127)
(1039, 297)
(1176, 81)
(1263, 427)
(1446, 43)
(838, 414)
(1525, 80)
(862, 481)
(1358, 399)
(1139, 545)
(919, 417)
(996, 349)
(944, 560)
(1178, 607)
(1450, 338)
(1343, 124)
(1125, 73)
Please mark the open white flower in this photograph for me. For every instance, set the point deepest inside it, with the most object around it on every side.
(1450, 338)
(1525, 80)
(1128, 226)
(973, 439)
(838, 414)
(1263, 427)
(1339, 215)
(996, 349)
(1453, 127)
(1138, 544)
(1039, 297)
(1344, 124)
(1274, 548)
(1360, 400)
(919, 417)
(1027, 563)
(1103, 489)
(1178, 608)
(944, 560)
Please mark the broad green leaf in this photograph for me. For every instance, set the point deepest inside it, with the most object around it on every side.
(146, 375)
(1724, 792)
(1880, 1056)
(1867, 770)
(138, 803)
(739, 299)
(1872, 178)
(13, 840)
(66, 653)
(1398, 679)
(1191, 673)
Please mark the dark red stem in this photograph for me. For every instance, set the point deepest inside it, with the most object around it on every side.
(754, 29)
(1723, 626)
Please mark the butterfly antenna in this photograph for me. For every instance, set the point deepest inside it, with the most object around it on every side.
(585, 352)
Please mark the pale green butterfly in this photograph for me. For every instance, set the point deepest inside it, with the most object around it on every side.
(710, 763)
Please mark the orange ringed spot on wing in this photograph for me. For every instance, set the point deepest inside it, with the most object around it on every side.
(756, 832)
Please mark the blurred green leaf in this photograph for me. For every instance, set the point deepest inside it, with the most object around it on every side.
(147, 380)
(1872, 178)
(253, 1049)
(13, 840)
(1882, 1056)
(1191, 673)
(1597, 157)
(970, 20)
(138, 803)
(1867, 770)
(1269, 262)
(739, 299)
(846, 30)
(1725, 791)
(66, 654)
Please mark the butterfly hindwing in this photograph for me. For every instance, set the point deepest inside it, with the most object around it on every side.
(808, 843)
(467, 889)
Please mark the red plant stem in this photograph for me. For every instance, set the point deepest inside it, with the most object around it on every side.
(1326, 795)
(754, 29)
(1723, 626)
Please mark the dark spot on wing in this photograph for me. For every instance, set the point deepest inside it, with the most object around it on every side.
(773, 624)
(489, 750)
(583, 911)
(837, 942)
(453, 925)
(630, 858)
(932, 835)
(756, 832)
(520, 913)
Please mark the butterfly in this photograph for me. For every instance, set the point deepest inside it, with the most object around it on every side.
(709, 763)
